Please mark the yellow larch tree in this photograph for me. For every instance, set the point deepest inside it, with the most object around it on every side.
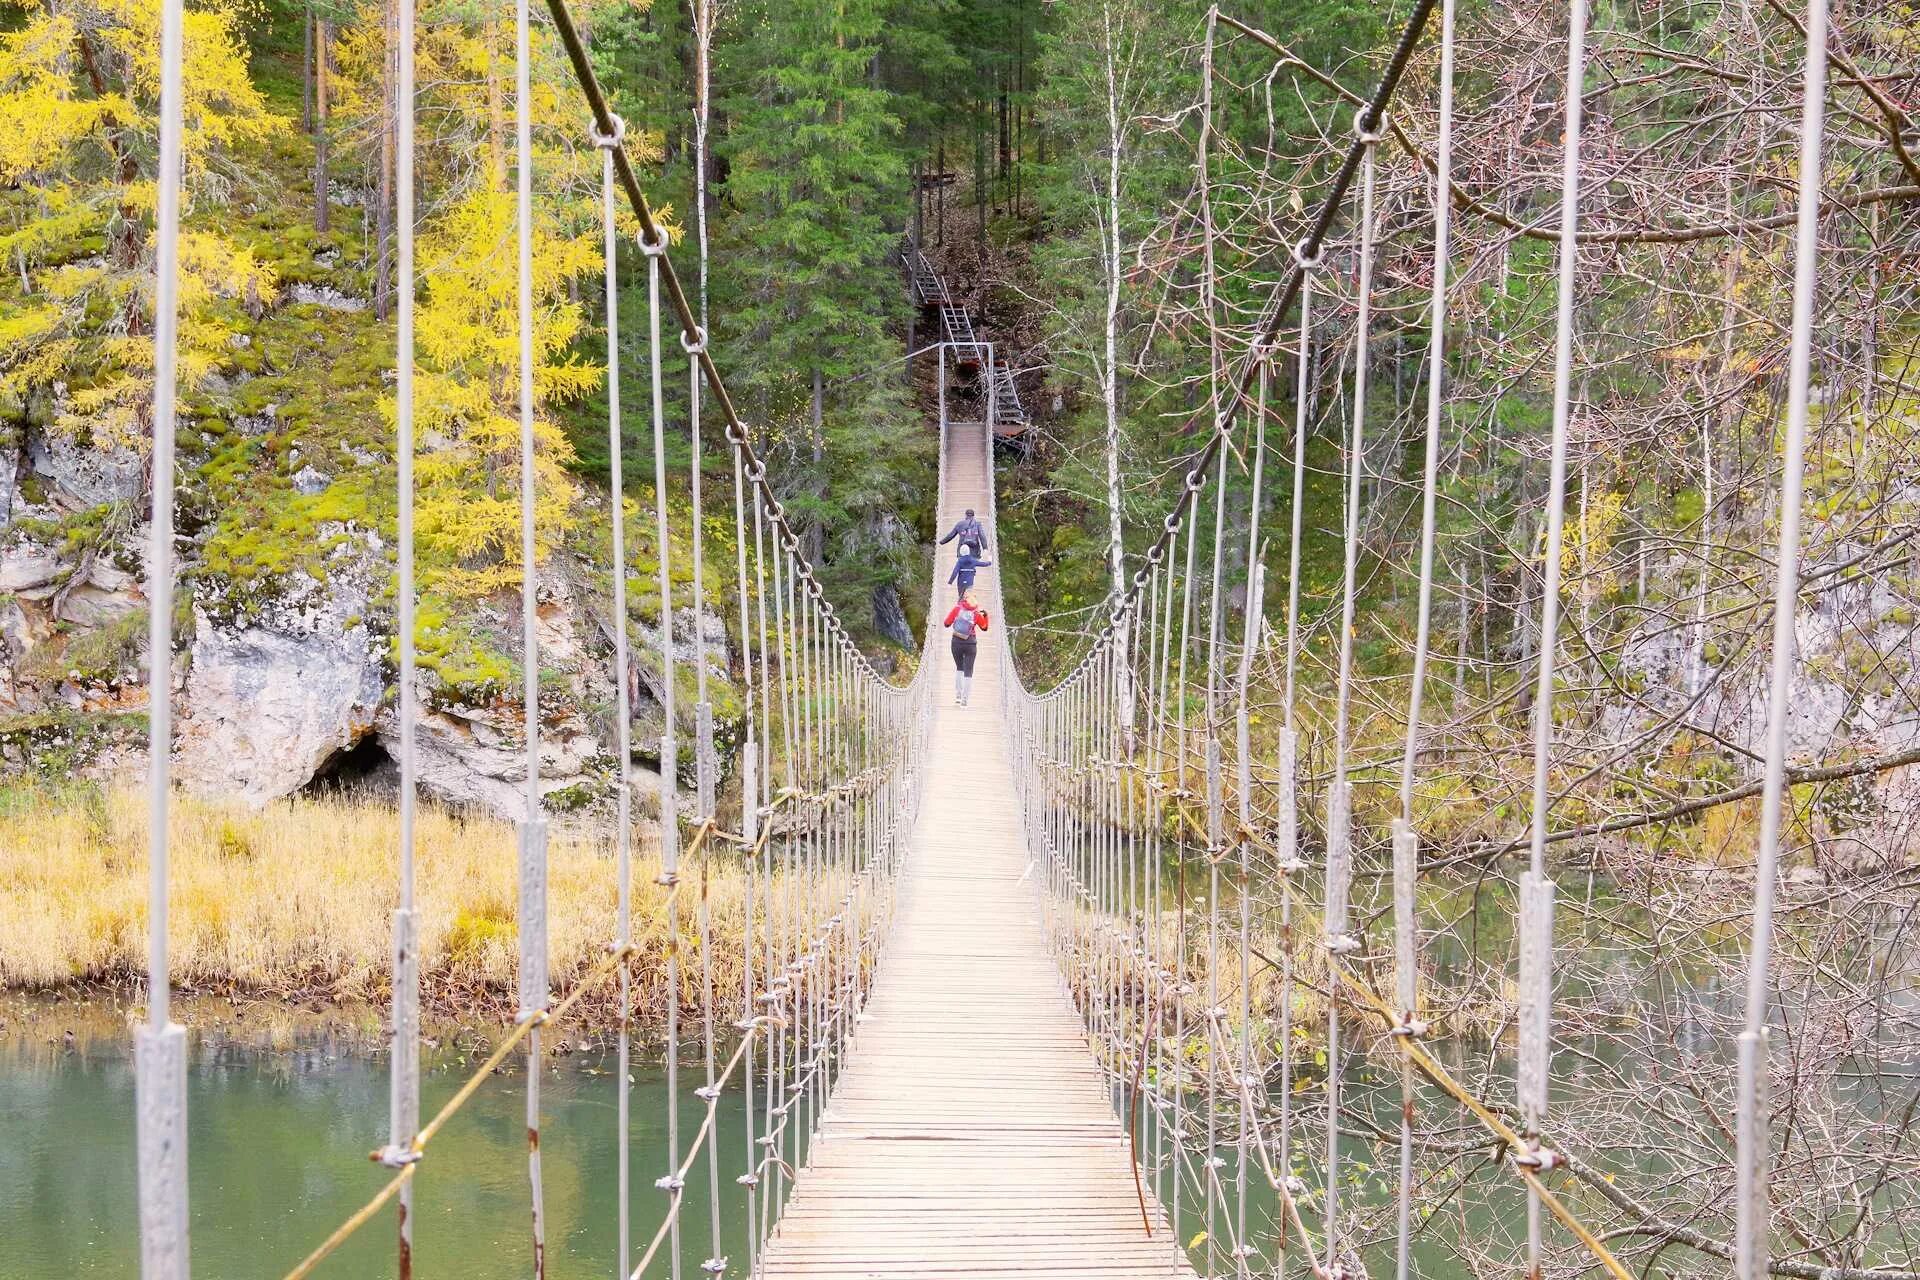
(78, 132)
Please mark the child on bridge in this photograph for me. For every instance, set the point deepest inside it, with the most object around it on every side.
(963, 570)
(965, 619)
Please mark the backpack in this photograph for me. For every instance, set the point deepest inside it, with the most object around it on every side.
(963, 625)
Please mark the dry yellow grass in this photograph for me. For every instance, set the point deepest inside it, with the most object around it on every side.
(295, 900)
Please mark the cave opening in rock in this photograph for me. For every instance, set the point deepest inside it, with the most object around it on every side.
(363, 768)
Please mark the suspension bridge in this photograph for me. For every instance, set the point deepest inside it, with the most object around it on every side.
(971, 1132)
(972, 1044)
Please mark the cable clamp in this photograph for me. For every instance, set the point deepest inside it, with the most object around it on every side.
(655, 247)
(1245, 1251)
(714, 1266)
(669, 1183)
(1536, 1157)
(667, 879)
(1286, 866)
(608, 141)
(398, 1155)
(1196, 480)
(1365, 136)
(1409, 1027)
(706, 1093)
(696, 347)
(1294, 1184)
(1306, 261)
(748, 1179)
(1341, 944)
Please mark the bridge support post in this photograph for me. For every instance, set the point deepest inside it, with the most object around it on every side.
(160, 1075)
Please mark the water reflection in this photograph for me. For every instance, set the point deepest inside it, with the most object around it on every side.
(279, 1144)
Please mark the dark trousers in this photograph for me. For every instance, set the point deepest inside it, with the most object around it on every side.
(964, 652)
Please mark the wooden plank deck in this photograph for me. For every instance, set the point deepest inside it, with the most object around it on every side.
(970, 1133)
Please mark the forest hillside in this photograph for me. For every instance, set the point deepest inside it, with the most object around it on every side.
(1049, 160)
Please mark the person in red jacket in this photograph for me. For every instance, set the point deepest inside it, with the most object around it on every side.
(965, 620)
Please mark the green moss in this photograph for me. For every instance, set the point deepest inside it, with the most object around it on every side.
(94, 529)
(570, 799)
(94, 657)
(57, 744)
(469, 670)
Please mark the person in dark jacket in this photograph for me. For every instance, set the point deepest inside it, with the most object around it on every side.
(966, 620)
(963, 570)
(973, 539)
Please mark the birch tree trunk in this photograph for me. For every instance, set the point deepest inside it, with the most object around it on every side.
(1110, 363)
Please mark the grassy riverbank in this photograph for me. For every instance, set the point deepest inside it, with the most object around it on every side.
(293, 902)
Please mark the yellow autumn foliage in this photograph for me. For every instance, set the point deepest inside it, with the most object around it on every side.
(78, 117)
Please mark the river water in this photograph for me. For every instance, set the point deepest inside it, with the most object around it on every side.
(279, 1136)
(278, 1142)
(281, 1123)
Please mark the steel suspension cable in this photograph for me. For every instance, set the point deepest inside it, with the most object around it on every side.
(749, 840)
(705, 765)
(160, 1046)
(1216, 850)
(1243, 759)
(655, 247)
(1288, 862)
(784, 983)
(1406, 859)
(1194, 484)
(403, 1104)
(1536, 887)
(608, 143)
(1339, 939)
(1751, 1139)
(761, 1148)
(533, 828)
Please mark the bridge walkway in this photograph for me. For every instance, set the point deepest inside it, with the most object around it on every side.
(971, 1132)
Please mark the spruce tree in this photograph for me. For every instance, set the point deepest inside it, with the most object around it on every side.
(817, 185)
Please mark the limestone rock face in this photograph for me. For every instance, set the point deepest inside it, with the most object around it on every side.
(1832, 714)
(88, 476)
(267, 706)
(26, 566)
(280, 683)
(889, 617)
(476, 758)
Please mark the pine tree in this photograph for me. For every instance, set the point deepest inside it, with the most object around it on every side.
(817, 181)
(817, 175)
